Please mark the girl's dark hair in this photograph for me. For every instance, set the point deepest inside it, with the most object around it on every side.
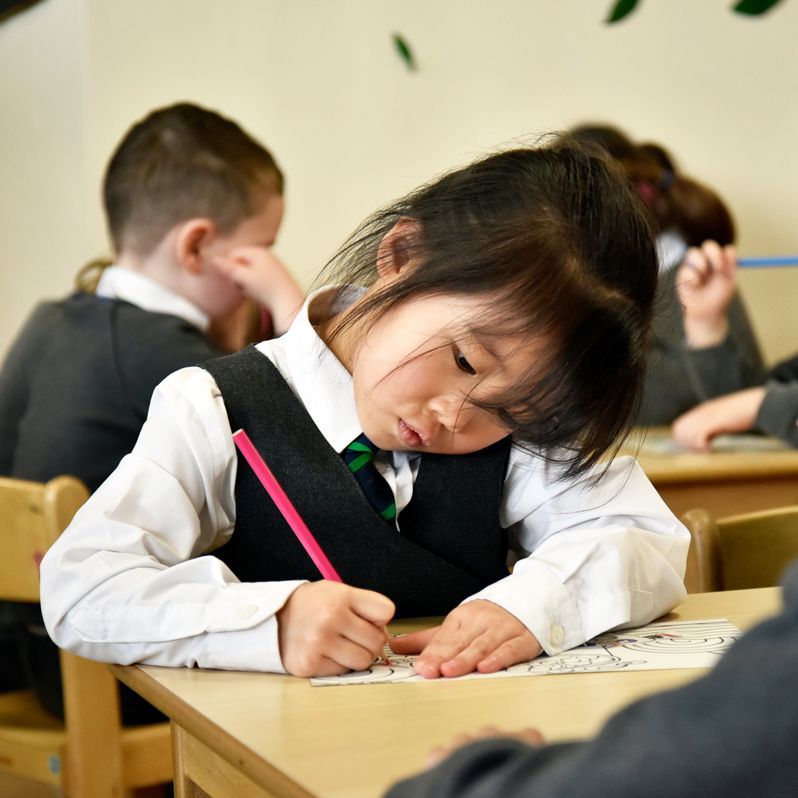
(182, 162)
(696, 212)
(675, 201)
(606, 138)
(563, 253)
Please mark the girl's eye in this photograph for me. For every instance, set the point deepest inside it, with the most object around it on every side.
(462, 363)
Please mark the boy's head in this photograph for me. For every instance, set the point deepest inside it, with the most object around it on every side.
(184, 189)
(179, 163)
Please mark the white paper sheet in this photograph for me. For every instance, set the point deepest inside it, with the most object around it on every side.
(657, 646)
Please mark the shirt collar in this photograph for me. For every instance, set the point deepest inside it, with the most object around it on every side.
(118, 282)
(671, 250)
(316, 376)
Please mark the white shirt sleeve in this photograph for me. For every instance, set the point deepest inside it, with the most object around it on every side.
(600, 554)
(133, 578)
(128, 580)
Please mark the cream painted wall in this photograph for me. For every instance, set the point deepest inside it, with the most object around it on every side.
(319, 83)
(43, 230)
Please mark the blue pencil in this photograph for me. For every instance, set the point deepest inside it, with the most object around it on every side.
(778, 260)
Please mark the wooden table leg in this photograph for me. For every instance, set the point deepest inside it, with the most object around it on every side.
(201, 773)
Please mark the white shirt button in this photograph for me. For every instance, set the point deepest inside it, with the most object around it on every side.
(556, 634)
(246, 611)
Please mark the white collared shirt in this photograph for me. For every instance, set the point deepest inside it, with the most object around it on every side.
(118, 282)
(671, 250)
(133, 579)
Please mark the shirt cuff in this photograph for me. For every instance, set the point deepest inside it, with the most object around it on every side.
(243, 629)
(541, 602)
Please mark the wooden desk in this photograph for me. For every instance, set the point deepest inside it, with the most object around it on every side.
(266, 735)
(723, 482)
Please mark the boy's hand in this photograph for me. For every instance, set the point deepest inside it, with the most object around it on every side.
(263, 277)
(326, 628)
(735, 412)
(705, 284)
(440, 752)
(479, 635)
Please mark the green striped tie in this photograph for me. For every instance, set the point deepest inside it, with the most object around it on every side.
(359, 456)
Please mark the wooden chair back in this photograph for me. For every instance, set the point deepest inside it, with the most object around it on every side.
(91, 755)
(741, 551)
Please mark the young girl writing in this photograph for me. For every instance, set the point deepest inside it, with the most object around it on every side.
(487, 335)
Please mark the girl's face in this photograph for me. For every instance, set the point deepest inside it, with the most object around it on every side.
(417, 366)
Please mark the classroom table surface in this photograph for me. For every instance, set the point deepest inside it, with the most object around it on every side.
(743, 474)
(237, 730)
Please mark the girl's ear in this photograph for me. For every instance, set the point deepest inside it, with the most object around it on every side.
(399, 247)
(192, 238)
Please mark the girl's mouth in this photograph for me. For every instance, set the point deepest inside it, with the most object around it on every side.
(409, 436)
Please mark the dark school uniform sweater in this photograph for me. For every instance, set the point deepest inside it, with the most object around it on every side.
(77, 382)
(74, 393)
(451, 544)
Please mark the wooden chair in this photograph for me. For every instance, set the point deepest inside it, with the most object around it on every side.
(91, 755)
(740, 551)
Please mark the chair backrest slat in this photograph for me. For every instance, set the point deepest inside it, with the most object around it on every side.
(32, 515)
(742, 551)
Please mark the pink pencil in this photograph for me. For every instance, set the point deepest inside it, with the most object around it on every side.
(284, 505)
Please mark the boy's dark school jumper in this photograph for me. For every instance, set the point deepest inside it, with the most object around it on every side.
(451, 544)
(76, 385)
(74, 394)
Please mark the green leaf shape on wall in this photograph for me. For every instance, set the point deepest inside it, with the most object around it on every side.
(10, 7)
(404, 51)
(754, 7)
(620, 10)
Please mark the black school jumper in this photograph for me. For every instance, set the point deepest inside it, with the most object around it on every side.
(450, 546)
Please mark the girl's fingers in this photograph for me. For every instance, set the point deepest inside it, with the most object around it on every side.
(349, 656)
(713, 253)
(373, 606)
(690, 432)
(466, 660)
(330, 667)
(517, 649)
(365, 634)
(448, 642)
(414, 642)
(487, 654)
(473, 633)
(730, 251)
(696, 259)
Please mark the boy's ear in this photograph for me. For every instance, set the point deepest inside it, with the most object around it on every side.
(399, 247)
(192, 238)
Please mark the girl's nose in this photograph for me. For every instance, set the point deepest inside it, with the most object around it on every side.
(452, 412)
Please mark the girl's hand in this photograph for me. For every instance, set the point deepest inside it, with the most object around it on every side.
(263, 277)
(735, 412)
(705, 284)
(326, 628)
(440, 752)
(479, 635)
